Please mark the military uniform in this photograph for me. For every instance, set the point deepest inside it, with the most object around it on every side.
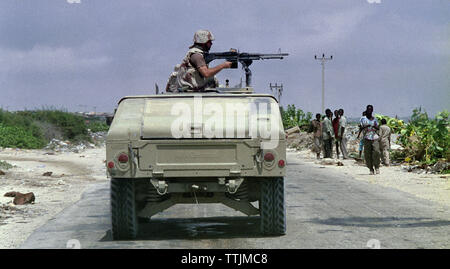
(188, 77)
(172, 81)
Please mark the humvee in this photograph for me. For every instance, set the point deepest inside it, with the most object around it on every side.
(224, 145)
(154, 163)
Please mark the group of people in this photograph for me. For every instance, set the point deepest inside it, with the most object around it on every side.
(375, 141)
(329, 131)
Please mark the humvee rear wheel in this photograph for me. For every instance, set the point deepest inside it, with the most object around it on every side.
(123, 209)
(272, 207)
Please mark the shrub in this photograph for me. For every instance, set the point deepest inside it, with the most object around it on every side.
(295, 117)
(425, 139)
(71, 125)
(97, 126)
(19, 137)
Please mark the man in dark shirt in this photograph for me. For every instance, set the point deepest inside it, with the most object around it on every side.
(336, 131)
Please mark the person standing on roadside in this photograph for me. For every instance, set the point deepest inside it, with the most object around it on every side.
(361, 141)
(327, 134)
(385, 142)
(341, 132)
(335, 123)
(369, 125)
(317, 132)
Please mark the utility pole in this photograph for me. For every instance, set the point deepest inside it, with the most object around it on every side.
(323, 60)
(278, 89)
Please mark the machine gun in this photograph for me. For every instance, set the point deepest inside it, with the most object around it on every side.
(246, 59)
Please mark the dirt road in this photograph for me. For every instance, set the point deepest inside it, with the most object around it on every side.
(325, 209)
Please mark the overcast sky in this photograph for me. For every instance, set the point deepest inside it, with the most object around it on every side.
(85, 56)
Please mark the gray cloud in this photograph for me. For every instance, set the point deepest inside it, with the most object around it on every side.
(394, 54)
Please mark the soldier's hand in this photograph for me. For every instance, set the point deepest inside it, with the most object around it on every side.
(227, 64)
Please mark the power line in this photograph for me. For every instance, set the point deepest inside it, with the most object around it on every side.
(278, 89)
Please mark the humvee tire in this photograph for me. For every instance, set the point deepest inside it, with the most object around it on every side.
(272, 207)
(123, 209)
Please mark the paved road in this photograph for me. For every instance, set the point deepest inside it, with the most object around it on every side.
(324, 211)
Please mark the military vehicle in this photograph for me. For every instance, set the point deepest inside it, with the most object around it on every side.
(224, 145)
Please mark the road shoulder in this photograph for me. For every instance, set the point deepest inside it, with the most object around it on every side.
(432, 187)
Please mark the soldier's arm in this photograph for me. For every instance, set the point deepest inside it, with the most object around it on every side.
(209, 72)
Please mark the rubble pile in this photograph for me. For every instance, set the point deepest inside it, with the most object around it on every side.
(98, 138)
(67, 146)
(437, 168)
(297, 139)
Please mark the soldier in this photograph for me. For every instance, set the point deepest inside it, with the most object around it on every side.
(194, 74)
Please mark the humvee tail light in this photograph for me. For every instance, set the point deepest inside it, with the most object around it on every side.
(123, 158)
(281, 163)
(268, 157)
(111, 165)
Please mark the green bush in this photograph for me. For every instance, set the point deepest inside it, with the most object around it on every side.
(427, 140)
(424, 139)
(35, 128)
(295, 117)
(19, 137)
(396, 125)
(72, 126)
(15, 119)
(97, 126)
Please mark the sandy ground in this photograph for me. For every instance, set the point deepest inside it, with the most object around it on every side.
(71, 174)
(433, 187)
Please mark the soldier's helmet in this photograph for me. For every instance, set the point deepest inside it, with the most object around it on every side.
(203, 36)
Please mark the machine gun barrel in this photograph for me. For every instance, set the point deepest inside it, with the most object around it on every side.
(246, 59)
(239, 57)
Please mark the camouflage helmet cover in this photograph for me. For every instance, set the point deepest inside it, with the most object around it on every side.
(203, 36)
